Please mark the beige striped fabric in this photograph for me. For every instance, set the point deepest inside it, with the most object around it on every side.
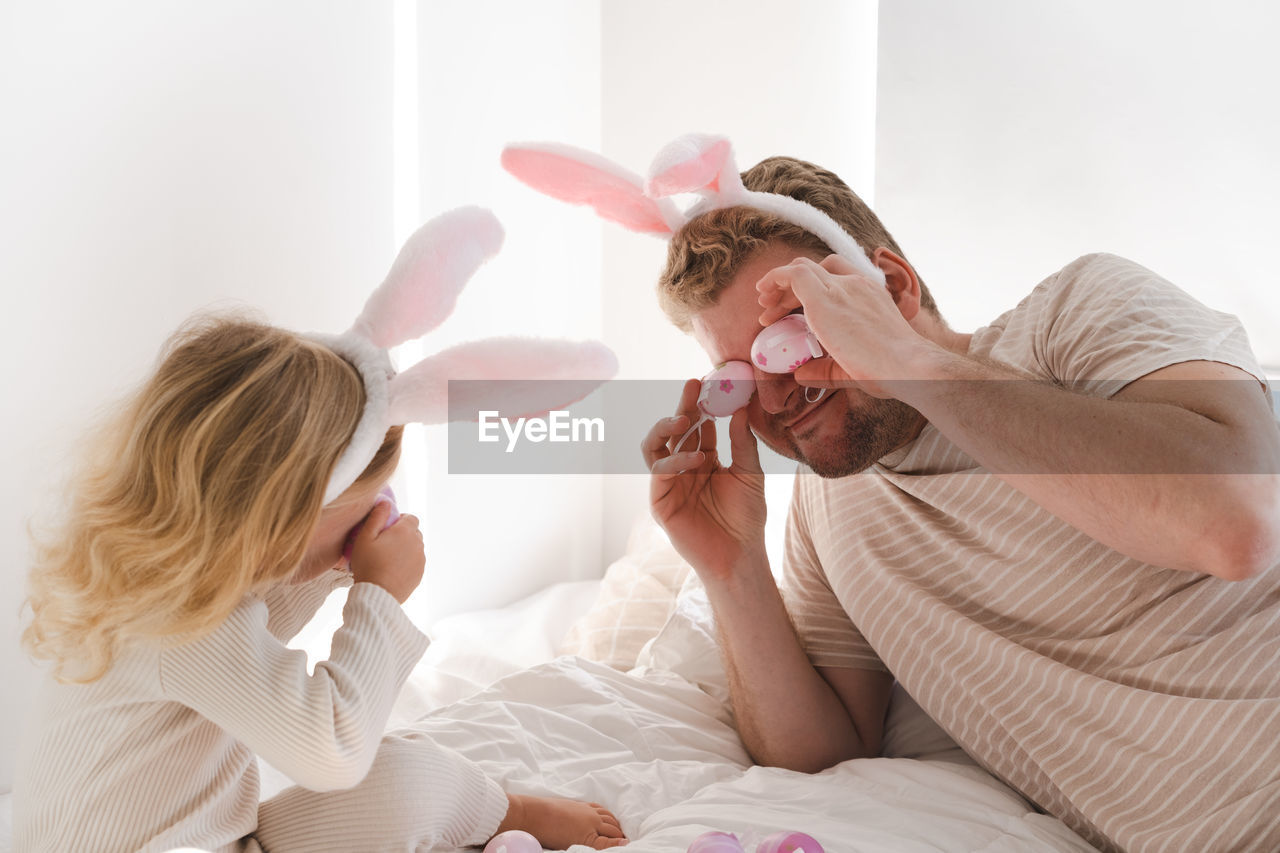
(159, 753)
(1140, 705)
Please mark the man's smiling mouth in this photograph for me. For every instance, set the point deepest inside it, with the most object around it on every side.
(807, 415)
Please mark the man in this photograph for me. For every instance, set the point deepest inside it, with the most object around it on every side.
(1060, 532)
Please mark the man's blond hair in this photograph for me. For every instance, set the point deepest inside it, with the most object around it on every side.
(706, 253)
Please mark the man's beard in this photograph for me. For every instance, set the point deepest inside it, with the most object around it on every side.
(868, 433)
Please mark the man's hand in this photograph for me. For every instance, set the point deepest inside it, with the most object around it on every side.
(857, 321)
(787, 713)
(713, 514)
(393, 558)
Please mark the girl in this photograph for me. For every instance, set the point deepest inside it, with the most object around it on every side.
(199, 541)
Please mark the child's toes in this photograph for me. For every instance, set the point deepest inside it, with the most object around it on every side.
(608, 833)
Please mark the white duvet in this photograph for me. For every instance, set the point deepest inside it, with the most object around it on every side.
(662, 755)
(657, 745)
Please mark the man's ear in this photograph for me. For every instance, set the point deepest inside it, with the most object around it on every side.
(901, 281)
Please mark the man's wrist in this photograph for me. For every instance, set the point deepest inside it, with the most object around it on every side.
(740, 578)
(931, 371)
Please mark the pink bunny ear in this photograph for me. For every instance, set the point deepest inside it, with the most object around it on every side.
(421, 393)
(423, 285)
(697, 162)
(583, 177)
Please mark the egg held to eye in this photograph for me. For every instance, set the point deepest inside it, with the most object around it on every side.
(385, 496)
(785, 345)
(726, 389)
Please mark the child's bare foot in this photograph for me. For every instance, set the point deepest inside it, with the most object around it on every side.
(559, 824)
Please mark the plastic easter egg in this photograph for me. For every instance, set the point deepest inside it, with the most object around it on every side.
(385, 496)
(513, 841)
(785, 345)
(726, 389)
(789, 842)
(716, 842)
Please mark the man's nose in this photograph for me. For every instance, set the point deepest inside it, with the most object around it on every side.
(774, 390)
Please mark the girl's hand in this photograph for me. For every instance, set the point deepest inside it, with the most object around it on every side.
(393, 558)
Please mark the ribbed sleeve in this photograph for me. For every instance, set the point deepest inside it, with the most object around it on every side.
(320, 729)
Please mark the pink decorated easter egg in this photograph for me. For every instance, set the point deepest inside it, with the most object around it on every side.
(513, 841)
(789, 842)
(726, 389)
(785, 345)
(716, 842)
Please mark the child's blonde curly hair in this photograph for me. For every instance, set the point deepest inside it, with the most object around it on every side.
(206, 485)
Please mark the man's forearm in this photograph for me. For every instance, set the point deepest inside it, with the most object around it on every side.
(787, 714)
(1146, 478)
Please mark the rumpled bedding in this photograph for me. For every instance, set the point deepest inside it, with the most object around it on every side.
(656, 744)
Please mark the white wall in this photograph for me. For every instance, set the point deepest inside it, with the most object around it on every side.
(158, 157)
(490, 73)
(1015, 136)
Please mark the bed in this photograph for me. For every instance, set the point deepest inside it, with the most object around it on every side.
(612, 690)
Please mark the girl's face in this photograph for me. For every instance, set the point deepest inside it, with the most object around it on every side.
(330, 536)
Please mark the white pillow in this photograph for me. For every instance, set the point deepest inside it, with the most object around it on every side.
(637, 595)
(688, 646)
(909, 732)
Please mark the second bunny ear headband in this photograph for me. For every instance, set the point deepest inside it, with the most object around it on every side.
(696, 163)
(418, 294)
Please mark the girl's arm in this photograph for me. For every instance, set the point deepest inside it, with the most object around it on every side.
(293, 605)
(321, 729)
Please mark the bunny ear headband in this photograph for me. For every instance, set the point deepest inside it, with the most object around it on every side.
(418, 294)
(696, 163)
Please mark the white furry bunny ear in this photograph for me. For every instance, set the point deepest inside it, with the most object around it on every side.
(423, 285)
(582, 177)
(418, 294)
(566, 372)
(697, 162)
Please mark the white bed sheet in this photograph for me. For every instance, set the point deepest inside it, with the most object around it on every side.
(658, 747)
(662, 754)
